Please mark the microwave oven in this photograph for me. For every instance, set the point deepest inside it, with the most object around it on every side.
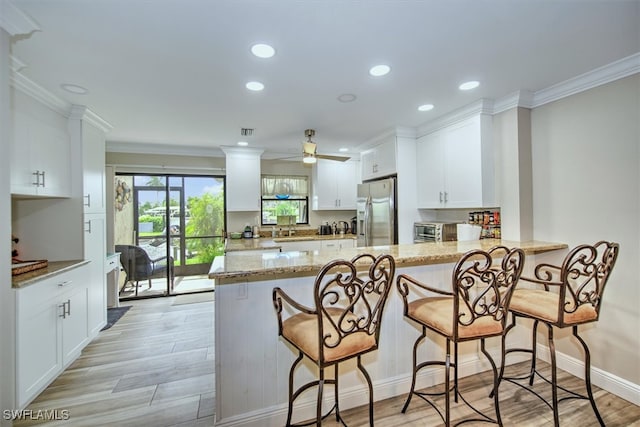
(435, 232)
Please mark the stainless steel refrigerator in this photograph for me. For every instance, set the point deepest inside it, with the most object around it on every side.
(377, 213)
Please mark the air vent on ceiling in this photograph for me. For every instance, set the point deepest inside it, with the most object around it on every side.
(246, 131)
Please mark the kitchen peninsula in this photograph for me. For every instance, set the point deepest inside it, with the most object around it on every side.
(252, 364)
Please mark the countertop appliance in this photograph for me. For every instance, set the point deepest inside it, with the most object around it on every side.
(377, 213)
(435, 232)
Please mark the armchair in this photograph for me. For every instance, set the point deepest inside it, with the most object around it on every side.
(138, 265)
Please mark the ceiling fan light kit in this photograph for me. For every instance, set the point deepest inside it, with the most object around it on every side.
(309, 154)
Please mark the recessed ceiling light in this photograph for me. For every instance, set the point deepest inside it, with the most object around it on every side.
(243, 143)
(469, 85)
(263, 50)
(75, 89)
(347, 97)
(343, 150)
(425, 107)
(255, 86)
(379, 70)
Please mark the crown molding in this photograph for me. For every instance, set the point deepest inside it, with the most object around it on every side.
(40, 94)
(246, 151)
(81, 112)
(14, 21)
(521, 98)
(482, 106)
(15, 65)
(154, 148)
(589, 80)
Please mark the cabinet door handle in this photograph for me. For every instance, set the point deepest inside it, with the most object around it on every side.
(64, 311)
(446, 197)
(37, 178)
(441, 197)
(65, 283)
(88, 227)
(42, 174)
(88, 197)
(69, 307)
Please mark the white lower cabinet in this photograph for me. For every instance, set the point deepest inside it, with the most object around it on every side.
(337, 244)
(317, 245)
(301, 245)
(51, 330)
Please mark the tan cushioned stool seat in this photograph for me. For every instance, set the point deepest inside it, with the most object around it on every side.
(544, 305)
(437, 312)
(302, 330)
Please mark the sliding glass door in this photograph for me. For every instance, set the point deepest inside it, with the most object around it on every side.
(178, 222)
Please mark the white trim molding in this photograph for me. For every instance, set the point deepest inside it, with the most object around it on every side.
(14, 21)
(603, 379)
(48, 99)
(482, 106)
(606, 74)
(155, 148)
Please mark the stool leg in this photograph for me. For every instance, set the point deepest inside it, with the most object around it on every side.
(368, 379)
(554, 376)
(587, 374)
(290, 409)
(455, 372)
(319, 402)
(496, 384)
(335, 392)
(447, 399)
(415, 364)
(534, 351)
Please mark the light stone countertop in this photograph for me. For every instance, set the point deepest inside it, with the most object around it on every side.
(53, 268)
(232, 245)
(275, 264)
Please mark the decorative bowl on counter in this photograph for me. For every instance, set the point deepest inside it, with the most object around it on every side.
(235, 235)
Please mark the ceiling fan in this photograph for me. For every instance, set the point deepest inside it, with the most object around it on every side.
(309, 154)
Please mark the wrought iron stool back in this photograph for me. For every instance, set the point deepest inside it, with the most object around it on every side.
(343, 323)
(476, 308)
(564, 296)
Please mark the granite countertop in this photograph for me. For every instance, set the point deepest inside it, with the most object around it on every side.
(267, 243)
(53, 268)
(304, 263)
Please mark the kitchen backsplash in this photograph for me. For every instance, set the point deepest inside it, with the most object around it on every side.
(236, 221)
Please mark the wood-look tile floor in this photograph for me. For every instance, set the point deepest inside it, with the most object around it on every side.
(155, 368)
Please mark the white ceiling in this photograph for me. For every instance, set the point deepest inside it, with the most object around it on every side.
(173, 71)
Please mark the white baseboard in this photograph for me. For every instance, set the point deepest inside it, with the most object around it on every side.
(275, 416)
(605, 380)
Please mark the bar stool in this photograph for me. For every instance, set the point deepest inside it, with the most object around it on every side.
(475, 309)
(566, 296)
(343, 323)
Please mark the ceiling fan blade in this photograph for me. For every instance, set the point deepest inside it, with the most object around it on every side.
(336, 158)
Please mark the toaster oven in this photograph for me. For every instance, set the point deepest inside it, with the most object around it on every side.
(435, 232)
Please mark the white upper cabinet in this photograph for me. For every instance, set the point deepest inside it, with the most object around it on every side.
(40, 154)
(242, 179)
(93, 163)
(380, 160)
(456, 167)
(335, 185)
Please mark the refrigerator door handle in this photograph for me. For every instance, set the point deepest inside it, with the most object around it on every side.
(367, 222)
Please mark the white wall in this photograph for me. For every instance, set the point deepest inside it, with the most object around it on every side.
(7, 313)
(586, 187)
